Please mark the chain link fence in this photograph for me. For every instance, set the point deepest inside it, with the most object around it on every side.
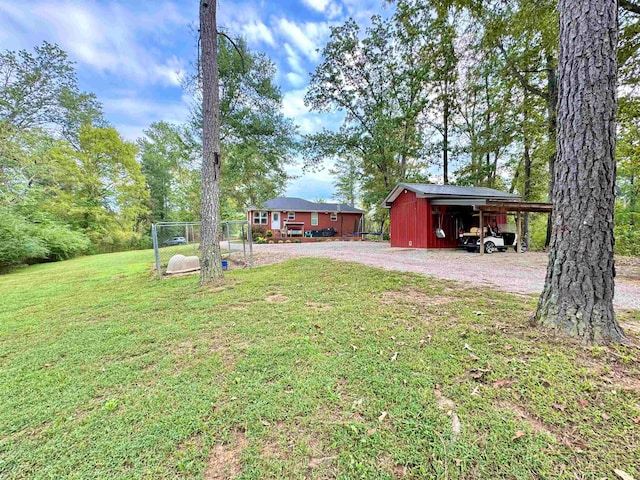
(175, 239)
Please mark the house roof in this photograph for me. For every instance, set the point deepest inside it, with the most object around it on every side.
(450, 194)
(293, 204)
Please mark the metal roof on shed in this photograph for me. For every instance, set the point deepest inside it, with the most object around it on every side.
(449, 193)
(293, 204)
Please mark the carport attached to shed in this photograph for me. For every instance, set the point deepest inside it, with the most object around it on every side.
(498, 207)
(417, 210)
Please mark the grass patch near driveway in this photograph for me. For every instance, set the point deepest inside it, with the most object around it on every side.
(307, 369)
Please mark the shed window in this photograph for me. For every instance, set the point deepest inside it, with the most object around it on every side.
(260, 218)
(314, 219)
(291, 216)
(334, 217)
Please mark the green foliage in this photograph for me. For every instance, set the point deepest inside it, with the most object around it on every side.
(257, 140)
(18, 243)
(61, 241)
(627, 228)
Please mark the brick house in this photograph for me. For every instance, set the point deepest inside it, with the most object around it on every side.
(288, 216)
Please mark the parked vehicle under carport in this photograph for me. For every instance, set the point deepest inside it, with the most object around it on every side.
(494, 241)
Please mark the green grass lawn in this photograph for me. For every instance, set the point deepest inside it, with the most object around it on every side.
(311, 368)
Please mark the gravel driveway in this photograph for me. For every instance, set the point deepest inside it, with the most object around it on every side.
(506, 271)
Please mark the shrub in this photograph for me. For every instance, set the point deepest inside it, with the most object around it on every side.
(280, 241)
(18, 244)
(287, 241)
(260, 240)
(60, 241)
(258, 231)
(269, 233)
(297, 240)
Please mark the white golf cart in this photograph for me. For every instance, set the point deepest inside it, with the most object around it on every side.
(493, 240)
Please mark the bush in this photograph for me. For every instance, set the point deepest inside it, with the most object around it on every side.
(258, 232)
(60, 241)
(260, 239)
(18, 244)
(280, 241)
(297, 240)
(269, 233)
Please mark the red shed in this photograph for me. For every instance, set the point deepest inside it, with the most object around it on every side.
(417, 210)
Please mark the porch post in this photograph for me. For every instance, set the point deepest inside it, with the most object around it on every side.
(518, 232)
(481, 232)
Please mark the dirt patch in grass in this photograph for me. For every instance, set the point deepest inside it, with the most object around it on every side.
(224, 462)
(535, 424)
(321, 307)
(277, 298)
(415, 297)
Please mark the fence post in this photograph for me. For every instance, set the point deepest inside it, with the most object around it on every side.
(250, 239)
(154, 237)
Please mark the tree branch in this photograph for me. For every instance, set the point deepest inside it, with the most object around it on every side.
(629, 6)
(234, 46)
(521, 78)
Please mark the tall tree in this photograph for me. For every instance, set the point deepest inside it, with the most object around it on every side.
(578, 292)
(211, 268)
(257, 141)
(347, 176)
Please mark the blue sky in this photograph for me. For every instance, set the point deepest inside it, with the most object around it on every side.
(131, 54)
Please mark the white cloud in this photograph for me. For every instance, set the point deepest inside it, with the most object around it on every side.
(330, 8)
(104, 36)
(306, 37)
(295, 79)
(294, 60)
(255, 32)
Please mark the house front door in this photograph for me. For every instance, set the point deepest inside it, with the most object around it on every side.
(275, 221)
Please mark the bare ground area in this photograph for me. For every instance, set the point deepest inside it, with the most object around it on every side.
(508, 271)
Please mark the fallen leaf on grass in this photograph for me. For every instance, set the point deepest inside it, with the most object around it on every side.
(458, 462)
(265, 423)
(622, 474)
(394, 357)
(456, 425)
(474, 356)
(357, 404)
(467, 347)
(504, 382)
(560, 406)
(583, 403)
(354, 347)
(371, 431)
(605, 416)
(382, 416)
(478, 373)
(478, 312)
(636, 420)
(519, 434)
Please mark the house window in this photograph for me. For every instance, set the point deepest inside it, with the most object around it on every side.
(260, 218)
(334, 217)
(291, 216)
(314, 219)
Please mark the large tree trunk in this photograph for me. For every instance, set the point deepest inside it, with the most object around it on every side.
(578, 293)
(211, 264)
(552, 127)
(527, 169)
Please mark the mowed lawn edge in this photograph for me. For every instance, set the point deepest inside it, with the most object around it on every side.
(309, 368)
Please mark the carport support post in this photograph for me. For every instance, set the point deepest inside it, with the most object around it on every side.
(481, 232)
(518, 232)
